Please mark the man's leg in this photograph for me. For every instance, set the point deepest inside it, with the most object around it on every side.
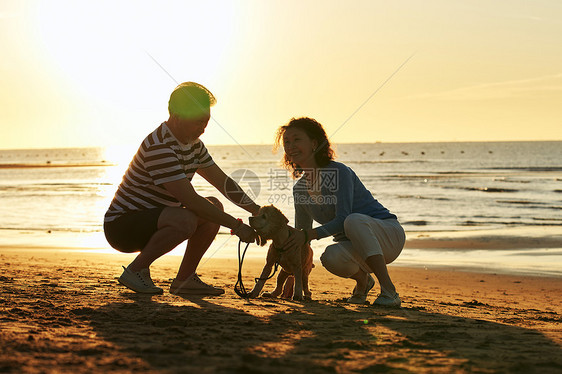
(198, 244)
(174, 226)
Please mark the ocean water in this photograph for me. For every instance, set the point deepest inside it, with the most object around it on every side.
(50, 194)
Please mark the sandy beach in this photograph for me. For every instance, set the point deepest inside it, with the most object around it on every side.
(64, 311)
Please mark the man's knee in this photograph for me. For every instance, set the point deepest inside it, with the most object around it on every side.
(216, 202)
(183, 221)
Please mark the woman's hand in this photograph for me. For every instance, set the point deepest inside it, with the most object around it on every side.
(246, 233)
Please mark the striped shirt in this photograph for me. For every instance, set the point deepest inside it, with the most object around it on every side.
(161, 158)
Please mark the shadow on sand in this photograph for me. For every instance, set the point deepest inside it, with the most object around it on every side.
(201, 335)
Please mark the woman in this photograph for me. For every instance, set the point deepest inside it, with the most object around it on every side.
(367, 235)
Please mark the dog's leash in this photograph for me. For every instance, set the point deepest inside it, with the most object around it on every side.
(239, 286)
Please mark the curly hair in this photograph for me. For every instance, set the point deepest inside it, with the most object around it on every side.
(314, 130)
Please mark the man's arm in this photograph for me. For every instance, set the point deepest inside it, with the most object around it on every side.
(185, 193)
(228, 187)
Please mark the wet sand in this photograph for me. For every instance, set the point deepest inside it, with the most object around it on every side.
(63, 311)
(516, 238)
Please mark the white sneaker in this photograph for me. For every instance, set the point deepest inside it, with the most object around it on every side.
(139, 281)
(361, 298)
(386, 300)
(194, 286)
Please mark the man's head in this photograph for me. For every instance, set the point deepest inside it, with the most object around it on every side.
(190, 100)
(189, 109)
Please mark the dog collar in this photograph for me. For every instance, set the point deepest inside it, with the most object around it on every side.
(282, 249)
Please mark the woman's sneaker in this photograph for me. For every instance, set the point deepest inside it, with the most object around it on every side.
(139, 281)
(361, 298)
(194, 286)
(386, 300)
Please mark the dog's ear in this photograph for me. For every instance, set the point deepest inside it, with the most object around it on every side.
(261, 241)
(279, 214)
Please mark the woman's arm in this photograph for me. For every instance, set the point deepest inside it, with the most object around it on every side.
(303, 221)
(343, 194)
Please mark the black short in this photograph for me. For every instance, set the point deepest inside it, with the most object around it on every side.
(132, 231)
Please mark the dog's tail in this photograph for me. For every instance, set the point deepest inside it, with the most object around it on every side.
(288, 288)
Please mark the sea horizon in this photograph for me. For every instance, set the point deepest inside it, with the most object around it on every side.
(265, 144)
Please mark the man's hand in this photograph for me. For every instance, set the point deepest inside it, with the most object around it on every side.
(246, 233)
(256, 210)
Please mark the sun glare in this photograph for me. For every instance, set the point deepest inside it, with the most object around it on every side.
(124, 60)
(102, 71)
(120, 155)
(92, 45)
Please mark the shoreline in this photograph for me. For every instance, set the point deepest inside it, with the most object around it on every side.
(65, 312)
(517, 251)
(455, 261)
(49, 164)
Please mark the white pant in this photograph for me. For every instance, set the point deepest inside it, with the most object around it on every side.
(367, 236)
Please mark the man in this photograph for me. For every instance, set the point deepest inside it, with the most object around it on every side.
(156, 207)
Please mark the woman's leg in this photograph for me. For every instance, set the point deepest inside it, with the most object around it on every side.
(340, 260)
(379, 242)
(378, 266)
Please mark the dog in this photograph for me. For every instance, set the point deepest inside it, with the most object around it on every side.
(271, 224)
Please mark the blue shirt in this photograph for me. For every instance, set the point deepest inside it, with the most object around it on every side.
(342, 193)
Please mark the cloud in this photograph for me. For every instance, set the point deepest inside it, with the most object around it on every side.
(548, 85)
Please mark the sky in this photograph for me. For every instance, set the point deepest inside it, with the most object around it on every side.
(99, 73)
